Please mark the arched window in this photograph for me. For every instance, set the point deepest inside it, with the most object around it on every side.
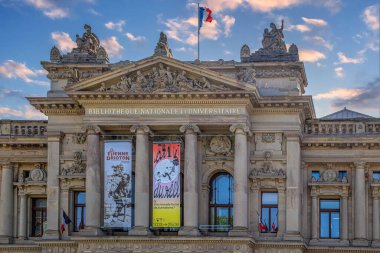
(221, 201)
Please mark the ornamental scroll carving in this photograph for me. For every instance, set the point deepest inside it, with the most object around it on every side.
(247, 75)
(79, 138)
(268, 137)
(161, 79)
(77, 168)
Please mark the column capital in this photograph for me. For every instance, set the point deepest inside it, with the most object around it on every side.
(360, 165)
(189, 129)
(54, 135)
(293, 135)
(240, 128)
(141, 129)
(5, 164)
(91, 129)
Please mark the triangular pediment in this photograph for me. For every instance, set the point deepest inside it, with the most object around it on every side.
(159, 74)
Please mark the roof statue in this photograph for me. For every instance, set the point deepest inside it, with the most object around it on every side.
(88, 50)
(273, 47)
(162, 47)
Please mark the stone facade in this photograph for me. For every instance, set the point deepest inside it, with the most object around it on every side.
(249, 119)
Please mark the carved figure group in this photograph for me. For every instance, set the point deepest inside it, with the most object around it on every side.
(273, 39)
(77, 168)
(89, 42)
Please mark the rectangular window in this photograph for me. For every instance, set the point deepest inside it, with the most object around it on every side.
(315, 174)
(329, 218)
(269, 212)
(342, 174)
(79, 210)
(376, 175)
(38, 217)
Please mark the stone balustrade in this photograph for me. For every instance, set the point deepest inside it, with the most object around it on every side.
(342, 128)
(22, 128)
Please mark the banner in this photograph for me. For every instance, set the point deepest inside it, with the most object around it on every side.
(166, 185)
(117, 184)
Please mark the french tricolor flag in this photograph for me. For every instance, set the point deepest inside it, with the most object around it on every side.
(204, 15)
(65, 221)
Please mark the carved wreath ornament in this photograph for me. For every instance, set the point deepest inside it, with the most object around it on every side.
(161, 79)
(220, 144)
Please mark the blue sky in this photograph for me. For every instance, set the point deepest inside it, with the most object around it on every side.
(338, 41)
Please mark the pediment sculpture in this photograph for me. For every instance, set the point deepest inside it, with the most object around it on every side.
(77, 168)
(161, 79)
(267, 170)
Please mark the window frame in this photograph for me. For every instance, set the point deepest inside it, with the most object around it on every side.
(214, 206)
(269, 206)
(83, 208)
(33, 223)
(330, 211)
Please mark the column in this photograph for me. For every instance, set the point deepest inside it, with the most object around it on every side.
(281, 211)
(293, 187)
(190, 182)
(360, 206)
(52, 189)
(345, 218)
(314, 218)
(142, 181)
(22, 219)
(93, 182)
(376, 217)
(255, 210)
(6, 204)
(240, 226)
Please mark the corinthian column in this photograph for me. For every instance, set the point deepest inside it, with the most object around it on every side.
(93, 183)
(190, 187)
(6, 204)
(314, 218)
(293, 187)
(52, 189)
(23, 216)
(142, 181)
(360, 206)
(376, 215)
(240, 226)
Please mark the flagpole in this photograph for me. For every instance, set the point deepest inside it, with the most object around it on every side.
(198, 30)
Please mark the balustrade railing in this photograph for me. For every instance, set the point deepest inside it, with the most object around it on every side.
(342, 128)
(22, 128)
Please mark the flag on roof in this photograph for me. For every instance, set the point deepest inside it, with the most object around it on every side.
(204, 14)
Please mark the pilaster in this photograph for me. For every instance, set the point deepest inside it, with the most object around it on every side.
(6, 203)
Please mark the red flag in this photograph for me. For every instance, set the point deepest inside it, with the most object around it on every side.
(209, 17)
(274, 228)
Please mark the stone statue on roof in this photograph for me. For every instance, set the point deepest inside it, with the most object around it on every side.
(273, 40)
(89, 42)
(162, 47)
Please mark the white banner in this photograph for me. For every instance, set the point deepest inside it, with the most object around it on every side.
(118, 184)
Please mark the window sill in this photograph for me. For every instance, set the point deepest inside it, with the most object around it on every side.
(329, 242)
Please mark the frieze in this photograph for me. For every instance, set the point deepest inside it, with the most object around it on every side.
(278, 72)
(77, 168)
(268, 137)
(247, 75)
(161, 79)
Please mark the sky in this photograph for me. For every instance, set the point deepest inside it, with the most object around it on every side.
(338, 41)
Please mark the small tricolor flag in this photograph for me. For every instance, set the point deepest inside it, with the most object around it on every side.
(204, 15)
(65, 221)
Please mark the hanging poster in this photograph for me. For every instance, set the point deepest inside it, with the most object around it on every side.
(166, 185)
(117, 184)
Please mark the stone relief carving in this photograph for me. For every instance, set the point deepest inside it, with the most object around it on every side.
(283, 72)
(77, 168)
(162, 47)
(37, 174)
(219, 145)
(55, 55)
(79, 138)
(247, 75)
(267, 170)
(268, 137)
(160, 79)
(245, 51)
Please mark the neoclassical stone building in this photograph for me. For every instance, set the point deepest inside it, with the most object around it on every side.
(257, 171)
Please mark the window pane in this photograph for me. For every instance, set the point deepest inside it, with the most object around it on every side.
(315, 174)
(329, 204)
(269, 198)
(222, 189)
(40, 203)
(376, 175)
(335, 225)
(222, 216)
(324, 225)
(273, 222)
(265, 218)
(81, 198)
(342, 174)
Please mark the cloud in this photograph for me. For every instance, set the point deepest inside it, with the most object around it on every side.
(300, 28)
(368, 97)
(112, 46)
(228, 22)
(315, 22)
(94, 12)
(345, 59)
(221, 5)
(134, 38)
(310, 55)
(319, 41)
(370, 16)
(339, 72)
(28, 112)
(333, 6)
(63, 40)
(270, 5)
(49, 8)
(4, 93)
(118, 26)
(11, 69)
(340, 93)
(185, 30)
(227, 52)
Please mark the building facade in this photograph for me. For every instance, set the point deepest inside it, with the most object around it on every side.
(256, 170)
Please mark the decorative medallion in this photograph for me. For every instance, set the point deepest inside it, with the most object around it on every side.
(220, 144)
